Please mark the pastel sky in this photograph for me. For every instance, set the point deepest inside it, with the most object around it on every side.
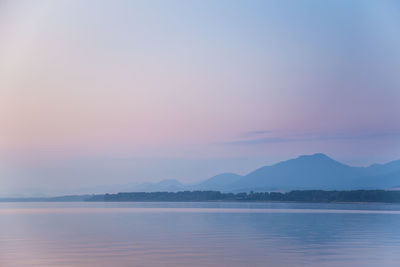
(114, 92)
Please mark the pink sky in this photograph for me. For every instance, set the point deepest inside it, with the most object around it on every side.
(225, 82)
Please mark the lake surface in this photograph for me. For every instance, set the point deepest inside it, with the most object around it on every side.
(199, 234)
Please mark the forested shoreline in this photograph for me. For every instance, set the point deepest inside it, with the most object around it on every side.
(316, 196)
(292, 196)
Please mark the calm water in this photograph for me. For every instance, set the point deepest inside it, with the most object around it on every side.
(199, 234)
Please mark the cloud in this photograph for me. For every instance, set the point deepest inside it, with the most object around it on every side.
(312, 137)
(255, 133)
(259, 141)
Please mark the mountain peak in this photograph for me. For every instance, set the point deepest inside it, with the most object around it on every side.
(315, 156)
(316, 159)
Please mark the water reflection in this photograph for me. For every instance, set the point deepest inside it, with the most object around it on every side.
(198, 234)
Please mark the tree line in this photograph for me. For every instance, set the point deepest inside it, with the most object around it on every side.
(294, 196)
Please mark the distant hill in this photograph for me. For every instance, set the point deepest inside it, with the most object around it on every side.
(304, 176)
(219, 182)
(317, 171)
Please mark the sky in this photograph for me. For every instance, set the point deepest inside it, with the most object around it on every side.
(118, 92)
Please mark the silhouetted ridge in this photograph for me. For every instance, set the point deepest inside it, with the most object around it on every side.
(218, 182)
(316, 171)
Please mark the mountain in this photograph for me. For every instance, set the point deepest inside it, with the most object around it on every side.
(219, 182)
(317, 171)
(305, 172)
(387, 168)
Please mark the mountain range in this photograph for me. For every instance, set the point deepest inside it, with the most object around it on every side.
(316, 171)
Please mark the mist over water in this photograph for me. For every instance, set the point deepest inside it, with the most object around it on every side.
(199, 234)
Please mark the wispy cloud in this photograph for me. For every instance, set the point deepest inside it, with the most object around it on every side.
(312, 137)
(259, 141)
(255, 133)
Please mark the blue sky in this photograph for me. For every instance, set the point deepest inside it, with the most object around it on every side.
(151, 90)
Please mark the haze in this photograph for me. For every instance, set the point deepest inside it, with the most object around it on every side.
(115, 92)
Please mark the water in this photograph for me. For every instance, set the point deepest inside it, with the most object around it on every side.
(199, 234)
